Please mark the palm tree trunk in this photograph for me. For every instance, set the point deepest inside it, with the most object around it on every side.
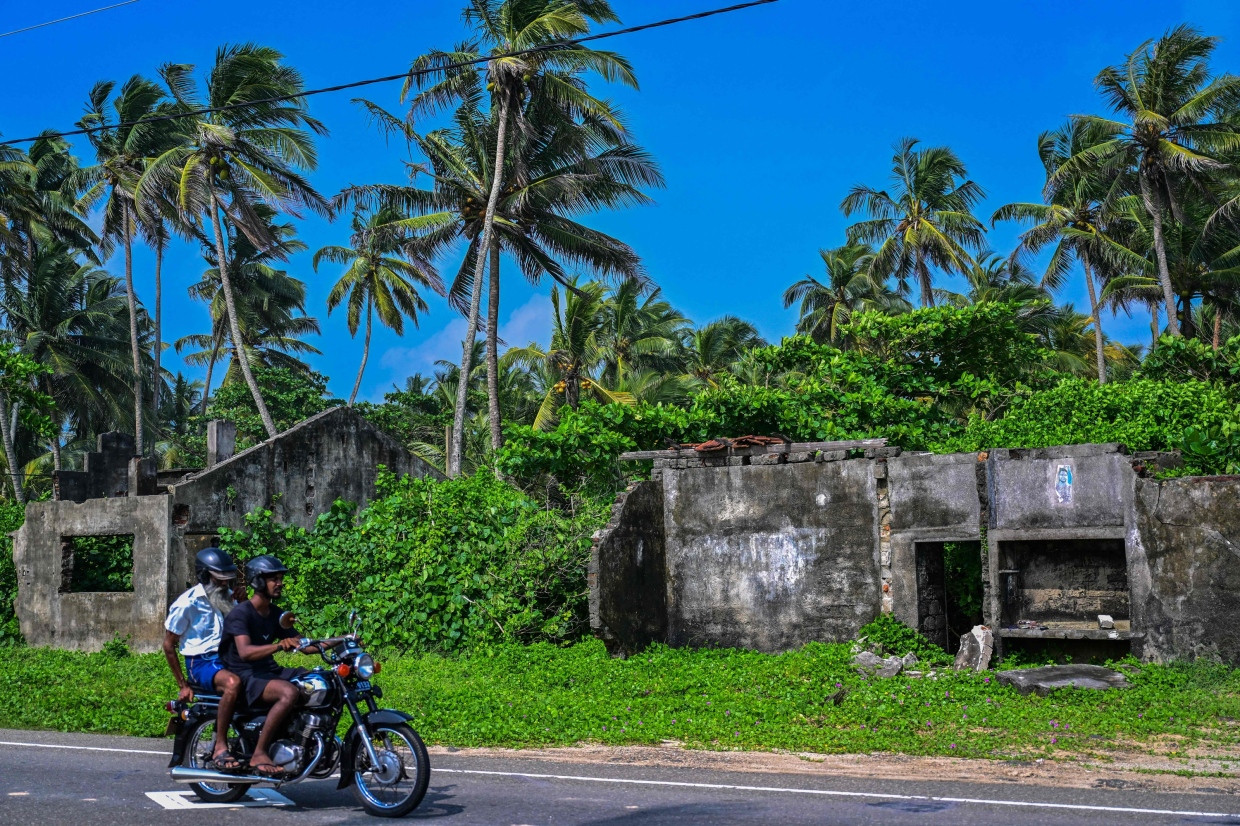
(127, 233)
(57, 459)
(159, 342)
(475, 299)
(493, 414)
(1153, 325)
(927, 289)
(1160, 252)
(215, 354)
(370, 312)
(230, 305)
(10, 454)
(572, 388)
(1099, 352)
(1218, 325)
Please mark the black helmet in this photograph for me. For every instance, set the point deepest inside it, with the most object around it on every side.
(213, 561)
(260, 567)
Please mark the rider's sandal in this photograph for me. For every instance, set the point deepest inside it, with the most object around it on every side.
(273, 772)
(227, 763)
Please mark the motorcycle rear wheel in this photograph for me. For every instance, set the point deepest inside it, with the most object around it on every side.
(198, 756)
(400, 782)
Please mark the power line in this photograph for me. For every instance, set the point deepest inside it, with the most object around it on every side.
(70, 17)
(403, 75)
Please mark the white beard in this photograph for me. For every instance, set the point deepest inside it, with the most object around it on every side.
(219, 597)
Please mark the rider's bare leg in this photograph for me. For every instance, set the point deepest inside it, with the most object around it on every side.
(228, 685)
(282, 696)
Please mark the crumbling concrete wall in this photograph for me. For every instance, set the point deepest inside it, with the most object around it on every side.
(771, 557)
(630, 555)
(1184, 568)
(50, 615)
(298, 474)
(934, 499)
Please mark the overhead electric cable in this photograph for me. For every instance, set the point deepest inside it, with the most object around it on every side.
(402, 76)
(70, 17)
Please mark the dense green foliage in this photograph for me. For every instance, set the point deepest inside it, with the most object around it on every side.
(103, 563)
(809, 700)
(11, 518)
(436, 566)
(1141, 414)
(887, 636)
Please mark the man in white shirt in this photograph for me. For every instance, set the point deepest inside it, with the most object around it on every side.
(195, 625)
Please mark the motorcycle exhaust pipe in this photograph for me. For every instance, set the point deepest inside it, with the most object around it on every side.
(185, 774)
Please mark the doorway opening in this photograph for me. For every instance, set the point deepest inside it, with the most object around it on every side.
(949, 590)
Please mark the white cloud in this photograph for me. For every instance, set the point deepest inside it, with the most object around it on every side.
(529, 322)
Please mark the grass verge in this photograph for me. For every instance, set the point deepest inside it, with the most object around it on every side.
(808, 700)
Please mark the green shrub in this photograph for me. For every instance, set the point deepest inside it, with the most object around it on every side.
(11, 518)
(436, 565)
(894, 638)
(1141, 414)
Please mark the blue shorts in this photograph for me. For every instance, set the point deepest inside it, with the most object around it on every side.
(203, 668)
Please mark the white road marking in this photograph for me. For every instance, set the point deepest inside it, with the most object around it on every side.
(721, 786)
(830, 793)
(254, 799)
(81, 748)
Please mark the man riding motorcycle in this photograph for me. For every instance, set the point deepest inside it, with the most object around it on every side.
(195, 625)
(252, 636)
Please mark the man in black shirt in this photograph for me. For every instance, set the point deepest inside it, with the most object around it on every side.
(252, 636)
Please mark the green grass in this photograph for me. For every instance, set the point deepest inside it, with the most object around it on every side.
(542, 695)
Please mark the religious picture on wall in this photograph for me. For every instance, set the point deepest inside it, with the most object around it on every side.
(1063, 485)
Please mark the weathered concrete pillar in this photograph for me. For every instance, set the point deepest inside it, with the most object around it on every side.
(143, 477)
(221, 441)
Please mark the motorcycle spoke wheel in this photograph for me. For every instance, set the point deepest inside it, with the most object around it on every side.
(198, 756)
(395, 786)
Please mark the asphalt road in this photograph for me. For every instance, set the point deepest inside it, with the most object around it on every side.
(91, 780)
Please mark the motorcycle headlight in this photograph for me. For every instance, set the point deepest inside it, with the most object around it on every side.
(365, 665)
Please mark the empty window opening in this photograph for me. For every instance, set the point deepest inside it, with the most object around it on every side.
(96, 563)
(949, 590)
(1063, 582)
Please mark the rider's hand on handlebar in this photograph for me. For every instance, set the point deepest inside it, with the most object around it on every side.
(289, 644)
(185, 694)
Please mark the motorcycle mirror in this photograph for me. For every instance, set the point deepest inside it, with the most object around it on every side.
(288, 619)
(354, 620)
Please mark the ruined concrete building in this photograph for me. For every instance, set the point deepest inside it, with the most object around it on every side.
(167, 517)
(769, 548)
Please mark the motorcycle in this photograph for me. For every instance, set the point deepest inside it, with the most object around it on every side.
(380, 757)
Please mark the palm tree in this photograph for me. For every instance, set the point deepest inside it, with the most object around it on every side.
(271, 305)
(558, 174)
(926, 221)
(1173, 125)
(639, 331)
(378, 278)
(715, 348)
(1081, 217)
(121, 151)
(550, 75)
(850, 287)
(68, 318)
(574, 355)
(231, 160)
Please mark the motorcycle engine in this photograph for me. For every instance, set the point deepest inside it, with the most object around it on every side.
(283, 753)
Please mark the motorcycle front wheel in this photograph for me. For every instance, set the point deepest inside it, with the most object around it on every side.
(198, 756)
(396, 786)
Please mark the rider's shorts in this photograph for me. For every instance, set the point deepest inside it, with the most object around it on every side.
(203, 668)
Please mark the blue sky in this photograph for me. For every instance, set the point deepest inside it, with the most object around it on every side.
(761, 121)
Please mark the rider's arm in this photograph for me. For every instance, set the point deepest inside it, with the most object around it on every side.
(250, 652)
(171, 641)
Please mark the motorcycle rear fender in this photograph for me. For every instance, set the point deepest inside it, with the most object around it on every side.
(183, 730)
(353, 741)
